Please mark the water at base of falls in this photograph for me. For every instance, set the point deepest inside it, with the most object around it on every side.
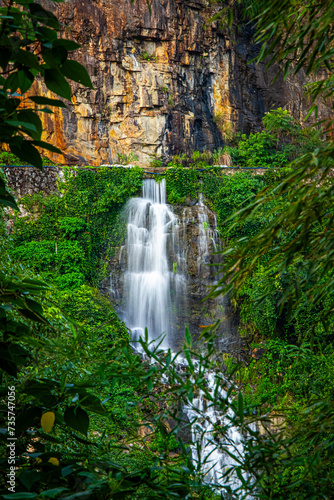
(153, 292)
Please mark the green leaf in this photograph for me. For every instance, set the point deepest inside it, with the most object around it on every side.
(76, 72)
(77, 419)
(55, 82)
(188, 337)
(12, 82)
(6, 199)
(44, 16)
(27, 152)
(188, 358)
(33, 285)
(29, 477)
(55, 56)
(149, 384)
(11, 104)
(241, 407)
(46, 36)
(27, 59)
(19, 496)
(25, 80)
(29, 116)
(67, 44)
(49, 147)
(53, 492)
(33, 316)
(17, 124)
(48, 102)
(69, 469)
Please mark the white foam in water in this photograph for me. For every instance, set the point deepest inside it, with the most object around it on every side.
(148, 277)
(148, 284)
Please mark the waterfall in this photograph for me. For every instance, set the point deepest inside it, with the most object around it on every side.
(155, 286)
(149, 278)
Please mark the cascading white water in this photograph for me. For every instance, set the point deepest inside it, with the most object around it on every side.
(153, 290)
(148, 277)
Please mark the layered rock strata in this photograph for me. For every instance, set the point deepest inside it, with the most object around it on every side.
(165, 81)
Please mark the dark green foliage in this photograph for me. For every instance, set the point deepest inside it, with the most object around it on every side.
(70, 231)
(234, 193)
(180, 184)
(10, 159)
(258, 150)
(86, 305)
(63, 257)
(29, 46)
(282, 140)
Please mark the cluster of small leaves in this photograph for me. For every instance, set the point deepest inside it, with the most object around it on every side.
(282, 140)
(30, 48)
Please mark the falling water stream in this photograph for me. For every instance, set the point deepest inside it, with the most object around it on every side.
(152, 292)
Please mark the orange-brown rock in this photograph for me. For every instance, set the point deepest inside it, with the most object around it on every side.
(162, 83)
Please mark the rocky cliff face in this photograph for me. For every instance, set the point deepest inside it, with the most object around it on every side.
(163, 83)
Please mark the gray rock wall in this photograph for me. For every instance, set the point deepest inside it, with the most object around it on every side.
(30, 180)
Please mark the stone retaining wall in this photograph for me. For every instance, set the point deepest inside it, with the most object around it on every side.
(30, 180)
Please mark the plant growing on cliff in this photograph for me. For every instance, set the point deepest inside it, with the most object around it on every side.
(223, 125)
(155, 161)
(125, 159)
(171, 101)
(164, 89)
(222, 156)
(145, 56)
